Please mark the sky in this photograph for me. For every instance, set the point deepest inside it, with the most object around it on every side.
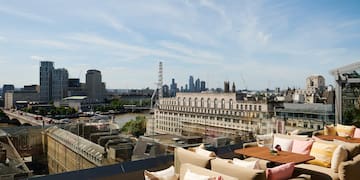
(256, 44)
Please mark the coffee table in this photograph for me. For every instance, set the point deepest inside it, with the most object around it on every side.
(282, 157)
(330, 138)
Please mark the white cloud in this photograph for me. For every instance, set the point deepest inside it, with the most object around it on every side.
(117, 25)
(23, 14)
(140, 50)
(192, 52)
(53, 43)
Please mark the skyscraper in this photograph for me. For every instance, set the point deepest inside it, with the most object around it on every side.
(46, 70)
(59, 84)
(191, 84)
(173, 88)
(197, 85)
(94, 87)
(202, 86)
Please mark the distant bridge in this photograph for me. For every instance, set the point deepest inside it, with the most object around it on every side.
(24, 117)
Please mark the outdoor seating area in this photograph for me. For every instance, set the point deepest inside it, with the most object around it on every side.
(297, 157)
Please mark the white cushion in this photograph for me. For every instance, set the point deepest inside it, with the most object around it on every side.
(193, 176)
(168, 173)
(339, 155)
(247, 164)
(204, 152)
(285, 144)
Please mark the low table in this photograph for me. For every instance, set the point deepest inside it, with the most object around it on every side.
(330, 138)
(282, 157)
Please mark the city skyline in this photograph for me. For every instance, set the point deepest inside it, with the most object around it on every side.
(257, 45)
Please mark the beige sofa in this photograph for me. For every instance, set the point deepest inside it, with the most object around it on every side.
(348, 170)
(223, 166)
(203, 171)
(182, 156)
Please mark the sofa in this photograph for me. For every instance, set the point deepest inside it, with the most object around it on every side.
(214, 166)
(202, 171)
(348, 167)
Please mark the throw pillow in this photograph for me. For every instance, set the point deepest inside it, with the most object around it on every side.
(330, 130)
(281, 172)
(166, 174)
(191, 176)
(357, 133)
(264, 140)
(285, 144)
(246, 164)
(302, 147)
(345, 131)
(339, 155)
(323, 153)
(204, 152)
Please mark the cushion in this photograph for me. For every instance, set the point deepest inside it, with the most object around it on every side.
(302, 147)
(225, 167)
(264, 140)
(166, 174)
(285, 144)
(182, 155)
(345, 131)
(352, 148)
(339, 155)
(191, 176)
(246, 164)
(330, 130)
(357, 133)
(323, 153)
(204, 152)
(281, 172)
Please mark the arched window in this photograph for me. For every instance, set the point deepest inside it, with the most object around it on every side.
(202, 102)
(184, 102)
(230, 104)
(215, 103)
(222, 103)
(189, 103)
(208, 103)
(196, 102)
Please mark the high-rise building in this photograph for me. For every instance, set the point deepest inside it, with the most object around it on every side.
(46, 70)
(226, 86)
(7, 87)
(191, 84)
(173, 88)
(59, 84)
(197, 85)
(94, 87)
(202, 86)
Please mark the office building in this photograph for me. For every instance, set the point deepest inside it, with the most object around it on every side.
(6, 88)
(46, 70)
(191, 84)
(59, 84)
(75, 88)
(202, 86)
(213, 114)
(197, 85)
(173, 88)
(94, 87)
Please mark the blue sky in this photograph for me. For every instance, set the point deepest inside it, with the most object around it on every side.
(256, 44)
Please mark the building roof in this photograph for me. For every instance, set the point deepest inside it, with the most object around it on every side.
(348, 68)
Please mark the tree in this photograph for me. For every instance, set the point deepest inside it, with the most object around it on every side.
(135, 127)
